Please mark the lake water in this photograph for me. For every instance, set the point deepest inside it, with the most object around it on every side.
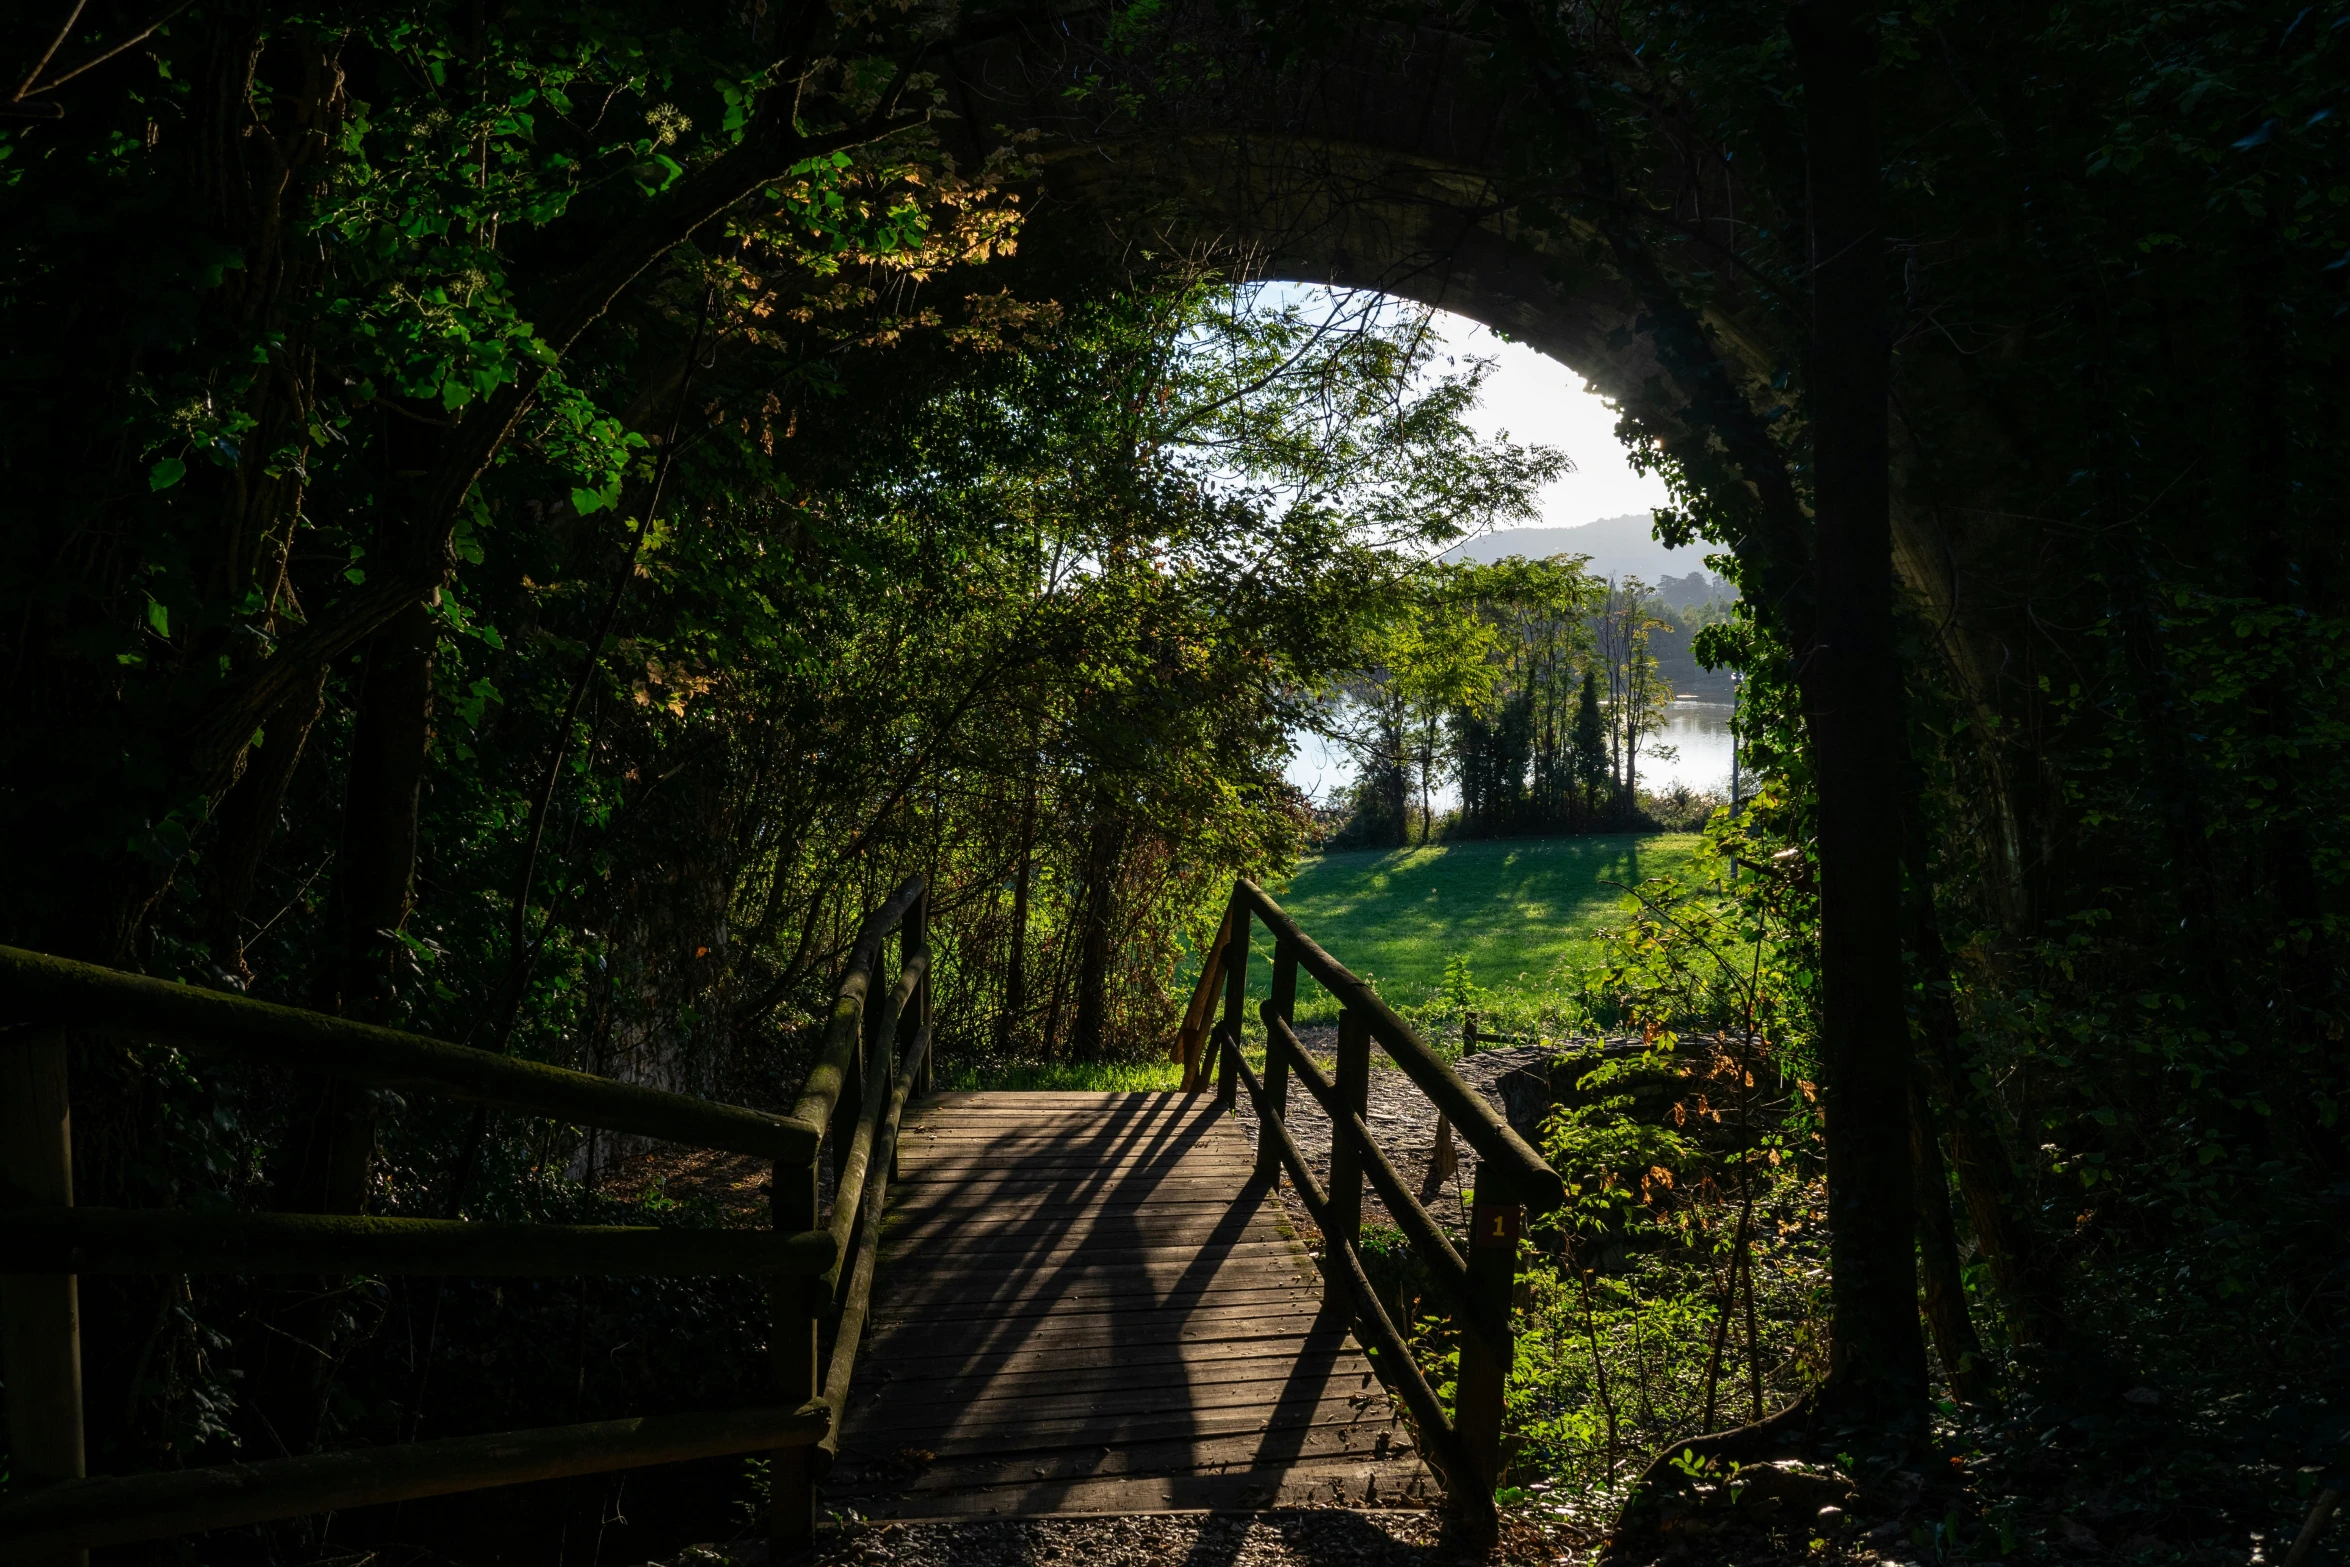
(1697, 732)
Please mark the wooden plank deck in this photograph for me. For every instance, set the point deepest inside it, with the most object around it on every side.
(1087, 1305)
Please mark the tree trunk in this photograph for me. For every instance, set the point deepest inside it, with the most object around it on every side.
(1104, 845)
(375, 869)
(2029, 1293)
(1943, 1286)
(326, 1165)
(1877, 1371)
(374, 881)
(1631, 759)
(245, 822)
(1016, 964)
(1427, 765)
(1395, 783)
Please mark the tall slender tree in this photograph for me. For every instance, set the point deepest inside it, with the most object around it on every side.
(1590, 750)
(1852, 693)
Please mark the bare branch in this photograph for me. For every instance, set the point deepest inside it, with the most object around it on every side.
(28, 88)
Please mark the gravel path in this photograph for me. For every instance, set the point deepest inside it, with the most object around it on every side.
(1291, 1537)
(1515, 1080)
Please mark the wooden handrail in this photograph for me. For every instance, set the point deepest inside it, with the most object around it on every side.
(857, 1300)
(848, 1196)
(119, 1509)
(1535, 1183)
(38, 990)
(1510, 1178)
(1419, 1226)
(46, 1243)
(1442, 1440)
(837, 1060)
(170, 1240)
(855, 1125)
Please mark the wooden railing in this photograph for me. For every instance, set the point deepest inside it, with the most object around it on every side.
(1510, 1179)
(859, 1087)
(822, 1274)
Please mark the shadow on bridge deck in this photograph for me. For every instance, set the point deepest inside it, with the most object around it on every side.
(1088, 1304)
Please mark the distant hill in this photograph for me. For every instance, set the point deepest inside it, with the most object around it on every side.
(1618, 547)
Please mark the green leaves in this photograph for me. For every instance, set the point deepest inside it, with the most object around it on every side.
(1460, 991)
(657, 173)
(167, 472)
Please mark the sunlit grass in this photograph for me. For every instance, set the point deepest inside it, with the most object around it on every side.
(1521, 910)
(1131, 1077)
(1526, 913)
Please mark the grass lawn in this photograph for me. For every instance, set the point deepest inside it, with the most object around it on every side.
(1517, 907)
(1093, 1077)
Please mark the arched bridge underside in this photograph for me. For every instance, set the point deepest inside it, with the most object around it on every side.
(1382, 161)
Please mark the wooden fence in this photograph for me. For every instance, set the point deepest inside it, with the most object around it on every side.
(1510, 1179)
(822, 1273)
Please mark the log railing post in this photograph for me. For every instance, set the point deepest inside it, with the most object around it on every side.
(1281, 1004)
(1235, 1000)
(798, 1374)
(1199, 1018)
(851, 1107)
(1495, 1220)
(1353, 1082)
(918, 938)
(40, 1314)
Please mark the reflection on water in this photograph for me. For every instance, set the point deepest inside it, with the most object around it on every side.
(1698, 731)
(1699, 734)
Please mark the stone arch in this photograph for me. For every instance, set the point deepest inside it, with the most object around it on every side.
(1380, 158)
(1379, 164)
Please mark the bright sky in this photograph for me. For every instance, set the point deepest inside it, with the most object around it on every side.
(1536, 400)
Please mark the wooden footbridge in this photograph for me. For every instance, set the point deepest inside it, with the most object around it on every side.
(1016, 1304)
